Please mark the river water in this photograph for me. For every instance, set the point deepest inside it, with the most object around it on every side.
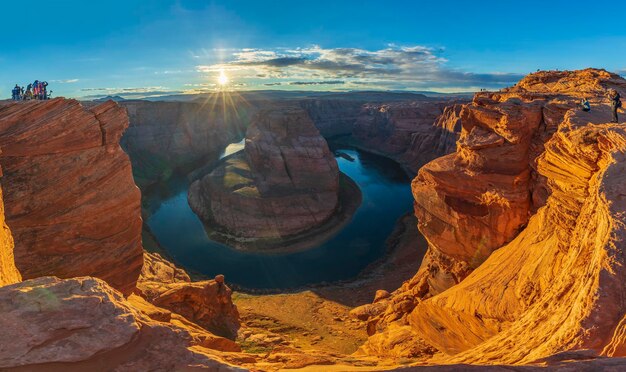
(386, 196)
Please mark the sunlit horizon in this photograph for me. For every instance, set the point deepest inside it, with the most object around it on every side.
(136, 49)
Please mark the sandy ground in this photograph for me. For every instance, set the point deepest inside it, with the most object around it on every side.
(317, 318)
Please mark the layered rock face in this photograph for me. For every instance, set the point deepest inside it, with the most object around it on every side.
(333, 117)
(520, 152)
(285, 181)
(557, 285)
(207, 303)
(412, 133)
(164, 136)
(83, 324)
(69, 195)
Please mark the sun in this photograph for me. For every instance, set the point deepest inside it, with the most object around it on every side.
(222, 79)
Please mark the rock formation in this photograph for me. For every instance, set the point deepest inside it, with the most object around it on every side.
(534, 178)
(69, 196)
(286, 180)
(333, 117)
(206, 303)
(164, 136)
(412, 133)
(83, 324)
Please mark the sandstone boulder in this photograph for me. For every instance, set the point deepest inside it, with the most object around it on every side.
(83, 324)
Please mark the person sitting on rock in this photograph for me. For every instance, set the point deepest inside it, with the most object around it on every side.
(616, 103)
(29, 92)
(584, 104)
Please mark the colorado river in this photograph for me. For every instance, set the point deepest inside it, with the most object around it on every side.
(386, 196)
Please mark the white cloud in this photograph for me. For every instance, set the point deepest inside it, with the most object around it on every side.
(394, 67)
(66, 81)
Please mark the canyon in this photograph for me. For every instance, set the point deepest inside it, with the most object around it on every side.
(518, 196)
(284, 182)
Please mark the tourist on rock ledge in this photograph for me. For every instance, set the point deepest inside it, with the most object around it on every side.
(16, 93)
(615, 103)
(584, 104)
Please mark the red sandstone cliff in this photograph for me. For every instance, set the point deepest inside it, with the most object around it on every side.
(412, 133)
(286, 180)
(69, 197)
(527, 151)
(164, 136)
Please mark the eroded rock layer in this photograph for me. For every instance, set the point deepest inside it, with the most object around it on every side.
(413, 133)
(69, 195)
(527, 151)
(285, 181)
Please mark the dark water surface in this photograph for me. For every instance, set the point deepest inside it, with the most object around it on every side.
(386, 196)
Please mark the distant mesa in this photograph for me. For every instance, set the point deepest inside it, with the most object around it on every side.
(110, 98)
(284, 183)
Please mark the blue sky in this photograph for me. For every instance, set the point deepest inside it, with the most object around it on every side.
(139, 48)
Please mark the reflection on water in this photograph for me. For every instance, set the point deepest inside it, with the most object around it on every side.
(386, 196)
(233, 148)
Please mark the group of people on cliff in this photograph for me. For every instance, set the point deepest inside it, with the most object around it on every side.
(37, 90)
(615, 100)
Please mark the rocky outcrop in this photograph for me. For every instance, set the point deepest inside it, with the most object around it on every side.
(556, 286)
(588, 83)
(482, 197)
(69, 196)
(286, 180)
(83, 324)
(412, 133)
(206, 303)
(156, 269)
(165, 136)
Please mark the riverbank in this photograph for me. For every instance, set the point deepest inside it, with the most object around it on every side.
(317, 316)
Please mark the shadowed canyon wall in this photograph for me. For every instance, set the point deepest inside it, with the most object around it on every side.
(165, 136)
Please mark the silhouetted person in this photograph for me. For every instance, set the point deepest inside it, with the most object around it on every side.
(16, 93)
(616, 103)
(44, 89)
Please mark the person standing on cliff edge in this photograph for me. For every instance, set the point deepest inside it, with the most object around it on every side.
(616, 103)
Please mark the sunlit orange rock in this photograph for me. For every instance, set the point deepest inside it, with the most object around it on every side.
(524, 154)
(8, 271)
(84, 324)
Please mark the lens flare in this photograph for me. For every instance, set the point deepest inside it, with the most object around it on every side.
(222, 79)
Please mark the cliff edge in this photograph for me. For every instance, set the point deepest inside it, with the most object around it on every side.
(69, 195)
